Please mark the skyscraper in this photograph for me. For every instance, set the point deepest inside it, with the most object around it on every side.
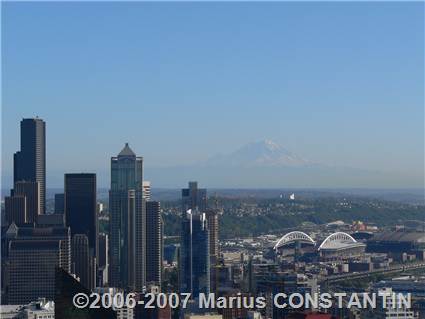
(103, 262)
(147, 190)
(80, 207)
(32, 269)
(194, 256)
(154, 243)
(30, 162)
(33, 253)
(194, 198)
(59, 203)
(15, 209)
(31, 233)
(127, 221)
(212, 219)
(31, 191)
(80, 256)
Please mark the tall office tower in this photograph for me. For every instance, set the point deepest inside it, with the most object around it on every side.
(194, 255)
(147, 190)
(29, 164)
(154, 243)
(55, 233)
(127, 222)
(59, 203)
(212, 219)
(80, 207)
(31, 191)
(32, 265)
(194, 198)
(103, 262)
(15, 209)
(80, 257)
(103, 250)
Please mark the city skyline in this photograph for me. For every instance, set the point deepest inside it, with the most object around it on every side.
(335, 96)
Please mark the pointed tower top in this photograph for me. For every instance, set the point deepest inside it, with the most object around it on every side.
(126, 151)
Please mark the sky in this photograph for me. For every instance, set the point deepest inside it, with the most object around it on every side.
(336, 83)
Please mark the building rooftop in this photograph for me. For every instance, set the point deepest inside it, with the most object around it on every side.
(400, 236)
(127, 151)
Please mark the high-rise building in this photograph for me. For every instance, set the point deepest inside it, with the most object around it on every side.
(80, 207)
(29, 164)
(80, 257)
(194, 255)
(127, 222)
(103, 263)
(66, 287)
(212, 219)
(59, 203)
(154, 243)
(103, 250)
(31, 191)
(147, 190)
(194, 198)
(32, 233)
(32, 269)
(15, 209)
(30, 255)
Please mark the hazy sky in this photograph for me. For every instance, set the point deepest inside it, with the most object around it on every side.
(336, 83)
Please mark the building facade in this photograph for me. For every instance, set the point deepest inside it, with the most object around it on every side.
(80, 207)
(15, 209)
(127, 222)
(194, 255)
(154, 243)
(31, 191)
(29, 164)
(194, 198)
(32, 266)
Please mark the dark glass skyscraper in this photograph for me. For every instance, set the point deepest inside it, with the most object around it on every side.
(194, 198)
(127, 221)
(80, 207)
(31, 192)
(80, 256)
(29, 164)
(59, 203)
(194, 255)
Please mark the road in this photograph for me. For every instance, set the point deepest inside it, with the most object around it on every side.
(365, 274)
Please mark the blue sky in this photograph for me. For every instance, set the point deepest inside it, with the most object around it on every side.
(337, 83)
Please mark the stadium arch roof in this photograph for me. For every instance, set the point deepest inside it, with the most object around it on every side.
(293, 237)
(337, 240)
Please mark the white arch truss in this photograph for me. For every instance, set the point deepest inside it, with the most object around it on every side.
(292, 237)
(338, 236)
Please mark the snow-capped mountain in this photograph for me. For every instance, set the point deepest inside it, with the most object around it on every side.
(263, 153)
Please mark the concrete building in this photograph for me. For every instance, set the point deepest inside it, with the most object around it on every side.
(32, 266)
(41, 309)
(147, 190)
(154, 243)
